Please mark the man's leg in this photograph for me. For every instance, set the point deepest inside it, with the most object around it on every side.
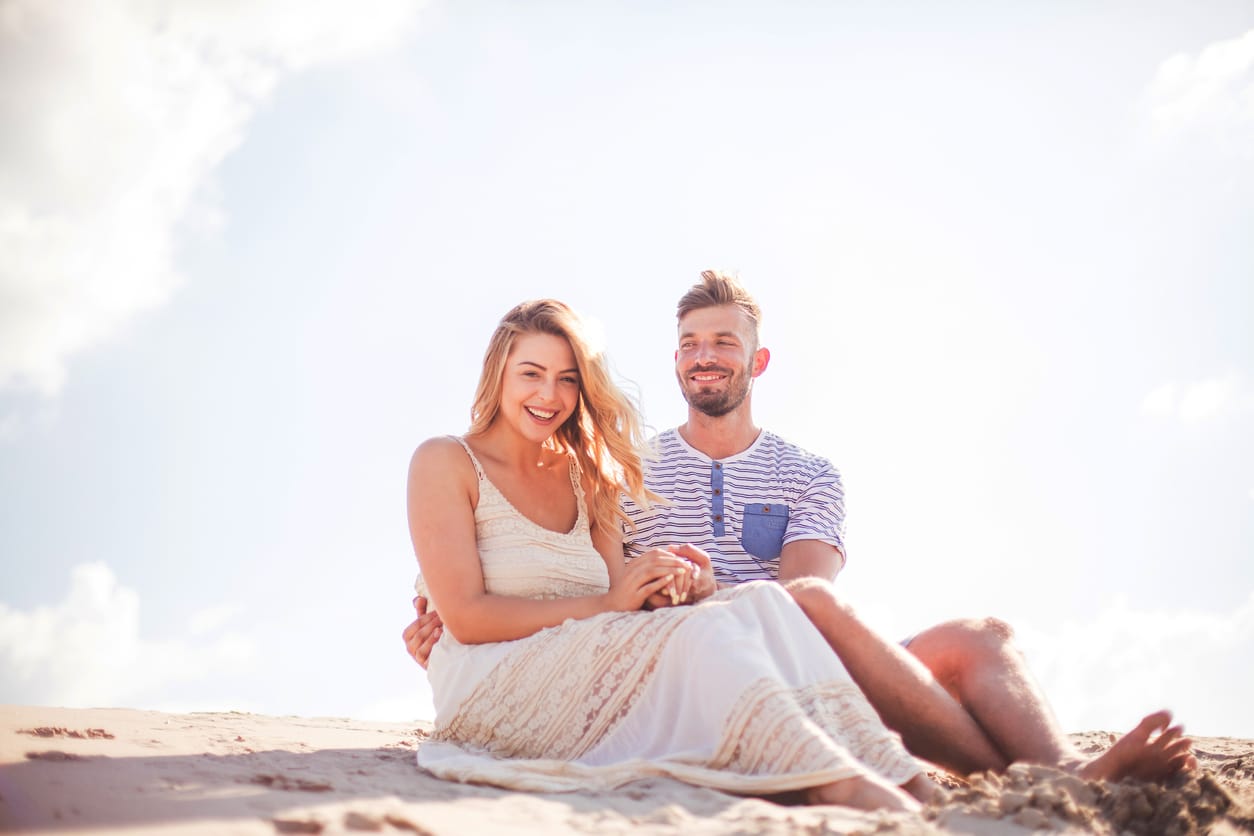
(931, 722)
(977, 663)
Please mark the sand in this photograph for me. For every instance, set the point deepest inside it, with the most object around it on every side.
(126, 771)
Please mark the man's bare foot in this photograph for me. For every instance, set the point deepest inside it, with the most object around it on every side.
(863, 793)
(1143, 754)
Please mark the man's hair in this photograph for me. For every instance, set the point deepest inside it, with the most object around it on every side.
(718, 288)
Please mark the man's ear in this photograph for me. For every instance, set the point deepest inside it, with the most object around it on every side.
(761, 358)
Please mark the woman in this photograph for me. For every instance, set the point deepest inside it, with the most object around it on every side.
(550, 676)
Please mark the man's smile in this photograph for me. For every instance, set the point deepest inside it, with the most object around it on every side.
(709, 376)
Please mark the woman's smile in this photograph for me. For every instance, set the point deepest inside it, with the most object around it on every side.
(542, 415)
(541, 384)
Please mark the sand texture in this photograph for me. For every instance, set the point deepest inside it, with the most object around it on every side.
(126, 771)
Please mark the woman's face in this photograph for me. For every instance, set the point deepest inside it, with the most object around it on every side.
(540, 389)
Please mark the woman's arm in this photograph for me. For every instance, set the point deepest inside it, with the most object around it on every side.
(693, 579)
(442, 492)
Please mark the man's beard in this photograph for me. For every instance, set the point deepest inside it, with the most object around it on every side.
(715, 404)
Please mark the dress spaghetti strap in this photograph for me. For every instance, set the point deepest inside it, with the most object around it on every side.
(478, 467)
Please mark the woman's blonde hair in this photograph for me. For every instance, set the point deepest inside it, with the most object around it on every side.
(604, 433)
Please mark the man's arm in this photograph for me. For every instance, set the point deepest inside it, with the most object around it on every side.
(809, 559)
(422, 633)
(816, 523)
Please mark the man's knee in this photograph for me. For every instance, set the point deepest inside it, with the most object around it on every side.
(952, 649)
(994, 630)
(973, 634)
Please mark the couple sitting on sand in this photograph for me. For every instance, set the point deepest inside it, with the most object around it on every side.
(717, 652)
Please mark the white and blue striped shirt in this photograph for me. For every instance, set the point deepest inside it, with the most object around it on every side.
(742, 509)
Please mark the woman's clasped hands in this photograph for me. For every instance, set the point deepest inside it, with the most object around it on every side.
(659, 578)
(663, 578)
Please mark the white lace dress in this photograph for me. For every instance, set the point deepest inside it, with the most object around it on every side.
(740, 693)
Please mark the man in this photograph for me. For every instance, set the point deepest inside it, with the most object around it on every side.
(960, 693)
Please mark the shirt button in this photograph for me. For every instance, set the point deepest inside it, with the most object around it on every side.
(766, 509)
(718, 518)
(718, 491)
(718, 465)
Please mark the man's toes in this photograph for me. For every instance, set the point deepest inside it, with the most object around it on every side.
(1145, 729)
(1180, 748)
(1183, 746)
(1169, 741)
(1182, 763)
(1151, 723)
(1168, 750)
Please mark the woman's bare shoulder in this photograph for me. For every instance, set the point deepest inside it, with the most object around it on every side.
(441, 457)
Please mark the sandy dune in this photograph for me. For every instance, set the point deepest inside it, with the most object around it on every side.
(120, 770)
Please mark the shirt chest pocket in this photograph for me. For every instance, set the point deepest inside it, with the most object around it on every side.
(762, 529)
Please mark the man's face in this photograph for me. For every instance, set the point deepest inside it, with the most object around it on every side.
(717, 358)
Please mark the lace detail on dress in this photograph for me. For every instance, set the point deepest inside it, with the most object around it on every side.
(773, 729)
(720, 694)
(527, 560)
(565, 688)
(516, 523)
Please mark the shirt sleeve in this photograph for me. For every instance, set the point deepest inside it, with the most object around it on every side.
(819, 512)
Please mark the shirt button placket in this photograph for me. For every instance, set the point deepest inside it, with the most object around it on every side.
(716, 498)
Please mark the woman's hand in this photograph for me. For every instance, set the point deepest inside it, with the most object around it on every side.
(694, 585)
(646, 575)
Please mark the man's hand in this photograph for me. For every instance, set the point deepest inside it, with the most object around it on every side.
(703, 583)
(696, 585)
(423, 632)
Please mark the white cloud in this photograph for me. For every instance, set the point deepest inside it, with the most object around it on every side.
(1162, 401)
(115, 114)
(211, 619)
(1200, 400)
(1212, 91)
(87, 650)
(1106, 673)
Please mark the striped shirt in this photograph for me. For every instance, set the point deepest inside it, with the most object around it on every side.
(743, 509)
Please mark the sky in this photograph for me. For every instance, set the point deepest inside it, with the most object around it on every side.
(251, 254)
